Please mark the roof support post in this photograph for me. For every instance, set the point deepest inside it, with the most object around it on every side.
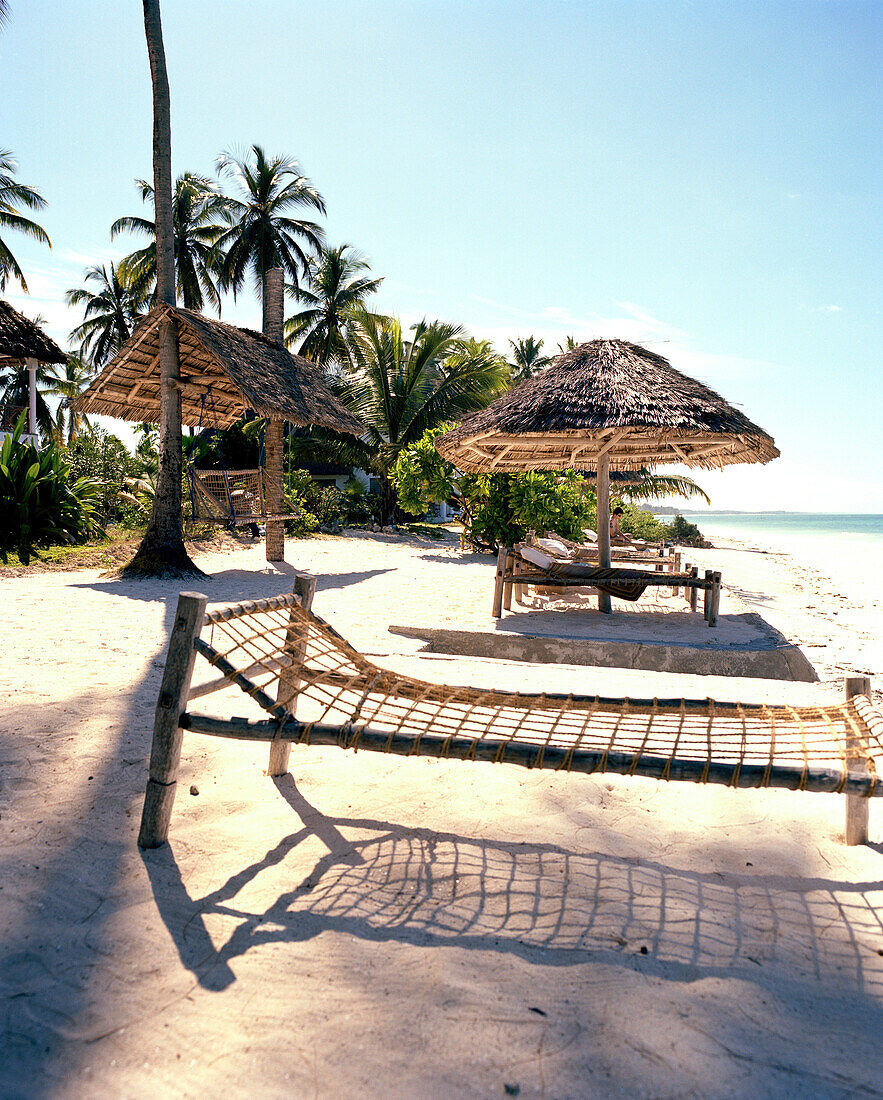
(31, 364)
(602, 492)
(274, 437)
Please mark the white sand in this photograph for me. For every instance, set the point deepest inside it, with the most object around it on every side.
(414, 928)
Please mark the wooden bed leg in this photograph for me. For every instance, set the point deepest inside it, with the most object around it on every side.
(706, 595)
(694, 592)
(856, 804)
(497, 607)
(280, 751)
(715, 598)
(165, 751)
(676, 568)
(508, 574)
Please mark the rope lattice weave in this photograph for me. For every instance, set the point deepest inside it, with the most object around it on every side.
(288, 660)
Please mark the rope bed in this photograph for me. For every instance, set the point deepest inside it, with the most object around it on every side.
(287, 660)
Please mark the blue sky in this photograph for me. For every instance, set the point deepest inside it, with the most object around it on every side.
(700, 177)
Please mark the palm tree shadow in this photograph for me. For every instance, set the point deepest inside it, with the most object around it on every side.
(544, 903)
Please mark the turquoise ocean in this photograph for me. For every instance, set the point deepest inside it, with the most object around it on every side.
(846, 547)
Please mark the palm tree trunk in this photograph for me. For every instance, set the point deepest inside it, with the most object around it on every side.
(162, 551)
(273, 317)
(389, 500)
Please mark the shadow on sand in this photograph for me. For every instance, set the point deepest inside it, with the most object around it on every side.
(545, 903)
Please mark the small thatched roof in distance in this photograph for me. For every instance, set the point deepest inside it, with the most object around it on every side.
(606, 397)
(21, 339)
(224, 371)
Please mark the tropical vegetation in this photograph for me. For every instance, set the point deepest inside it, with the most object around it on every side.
(324, 330)
(260, 234)
(14, 196)
(111, 301)
(41, 503)
(399, 386)
(197, 208)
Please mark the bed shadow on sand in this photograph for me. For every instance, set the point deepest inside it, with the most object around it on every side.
(544, 903)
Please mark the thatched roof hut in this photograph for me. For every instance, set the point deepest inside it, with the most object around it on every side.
(606, 397)
(21, 339)
(225, 370)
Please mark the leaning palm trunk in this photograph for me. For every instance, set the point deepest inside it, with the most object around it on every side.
(162, 550)
(273, 317)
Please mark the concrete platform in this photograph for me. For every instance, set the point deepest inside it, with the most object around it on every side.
(668, 639)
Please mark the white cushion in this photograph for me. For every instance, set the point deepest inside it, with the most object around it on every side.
(554, 547)
(536, 556)
(590, 536)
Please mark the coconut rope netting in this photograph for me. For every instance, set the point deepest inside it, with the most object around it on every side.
(308, 685)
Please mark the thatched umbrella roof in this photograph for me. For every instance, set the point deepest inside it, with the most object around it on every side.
(606, 397)
(21, 339)
(224, 370)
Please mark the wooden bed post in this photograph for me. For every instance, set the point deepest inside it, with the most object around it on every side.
(602, 497)
(165, 752)
(502, 559)
(694, 592)
(508, 574)
(856, 804)
(715, 599)
(304, 590)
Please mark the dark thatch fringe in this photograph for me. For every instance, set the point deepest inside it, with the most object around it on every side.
(599, 390)
(22, 339)
(225, 370)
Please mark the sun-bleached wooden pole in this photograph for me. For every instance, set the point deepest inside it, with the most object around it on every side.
(856, 804)
(289, 681)
(165, 752)
(274, 437)
(602, 491)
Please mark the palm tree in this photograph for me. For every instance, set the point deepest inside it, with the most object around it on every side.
(162, 551)
(197, 205)
(68, 382)
(400, 387)
(653, 485)
(109, 312)
(12, 196)
(261, 236)
(337, 287)
(527, 359)
(568, 345)
(263, 239)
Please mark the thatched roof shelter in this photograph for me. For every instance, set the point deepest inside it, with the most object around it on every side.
(21, 339)
(606, 397)
(224, 371)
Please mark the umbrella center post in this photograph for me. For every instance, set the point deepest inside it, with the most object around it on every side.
(602, 491)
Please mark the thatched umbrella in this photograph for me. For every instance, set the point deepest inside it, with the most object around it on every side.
(22, 343)
(224, 370)
(612, 405)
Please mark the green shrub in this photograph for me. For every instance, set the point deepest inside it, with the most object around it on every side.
(41, 503)
(642, 525)
(360, 504)
(102, 458)
(496, 509)
(685, 533)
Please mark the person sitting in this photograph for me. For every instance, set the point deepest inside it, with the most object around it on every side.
(617, 535)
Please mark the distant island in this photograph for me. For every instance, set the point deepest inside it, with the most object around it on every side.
(667, 510)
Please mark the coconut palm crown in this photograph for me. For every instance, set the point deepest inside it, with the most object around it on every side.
(260, 234)
(13, 196)
(338, 286)
(399, 387)
(110, 311)
(197, 206)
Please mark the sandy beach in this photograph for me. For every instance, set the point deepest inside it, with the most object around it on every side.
(372, 926)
